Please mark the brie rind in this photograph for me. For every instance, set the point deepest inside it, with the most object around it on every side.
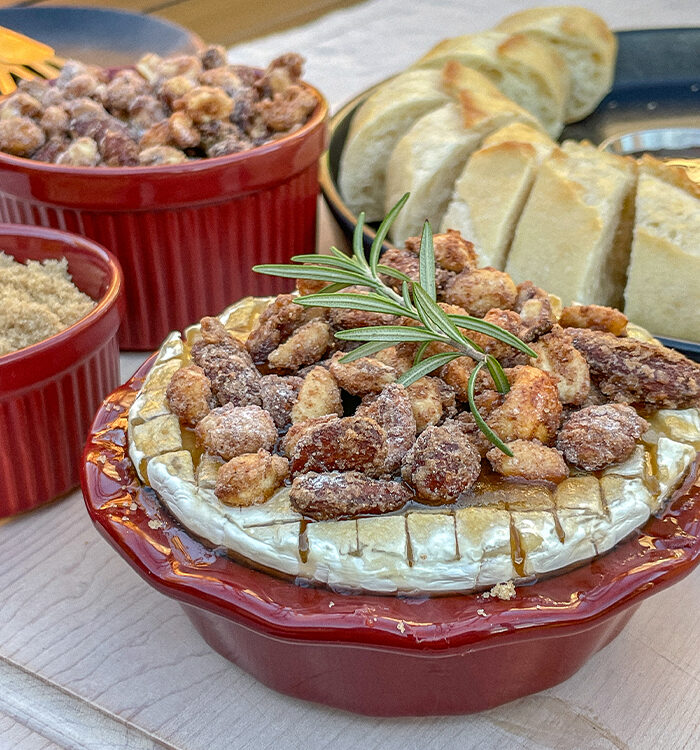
(419, 549)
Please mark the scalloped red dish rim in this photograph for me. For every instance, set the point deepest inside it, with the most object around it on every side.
(666, 549)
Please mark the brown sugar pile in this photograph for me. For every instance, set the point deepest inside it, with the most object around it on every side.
(37, 300)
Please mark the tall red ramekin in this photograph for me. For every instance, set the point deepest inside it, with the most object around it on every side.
(186, 234)
(49, 392)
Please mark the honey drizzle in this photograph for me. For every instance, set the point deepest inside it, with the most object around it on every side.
(516, 550)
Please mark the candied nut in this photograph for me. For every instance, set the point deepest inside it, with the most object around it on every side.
(117, 149)
(305, 346)
(631, 371)
(55, 120)
(442, 464)
(310, 286)
(85, 107)
(392, 411)
(341, 318)
(82, 85)
(481, 290)
(451, 251)
(213, 56)
(530, 410)
(298, 429)
(123, 89)
(287, 109)
(250, 478)
(596, 317)
(399, 357)
(156, 155)
(319, 395)
(557, 356)
(530, 460)
(345, 495)
(229, 431)
(205, 103)
(507, 355)
(361, 376)
(21, 104)
(189, 394)
(144, 112)
(182, 130)
(536, 312)
(431, 401)
(156, 135)
(82, 152)
(408, 263)
(20, 136)
(175, 88)
(281, 72)
(471, 429)
(276, 323)
(52, 149)
(278, 396)
(347, 444)
(597, 436)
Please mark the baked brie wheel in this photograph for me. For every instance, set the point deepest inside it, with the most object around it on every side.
(292, 502)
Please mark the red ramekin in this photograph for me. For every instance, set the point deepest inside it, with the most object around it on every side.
(186, 235)
(49, 392)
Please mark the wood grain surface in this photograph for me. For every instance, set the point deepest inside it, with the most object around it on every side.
(224, 22)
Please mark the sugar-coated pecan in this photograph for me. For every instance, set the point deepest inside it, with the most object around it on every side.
(442, 464)
(432, 400)
(306, 345)
(20, 136)
(278, 396)
(347, 444)
(630, 371)
(452, 252)
(323, 496)
(597, 436)
(276, 322)
(361, 376)
(536, 312)
(392, 410)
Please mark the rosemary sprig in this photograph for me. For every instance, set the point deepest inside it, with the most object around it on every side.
(417, 302)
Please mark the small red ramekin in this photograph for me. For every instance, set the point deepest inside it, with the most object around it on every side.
(49, 392)
(186, 235)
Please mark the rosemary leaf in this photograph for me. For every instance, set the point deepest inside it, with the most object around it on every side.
(490, 434)
(365, 350)
(352, 301)
(396, 334)
(378, 242)
(497, 375)
(358, 248)
(427, 262)
(320, 273)
(433, 316)
(426, 366)
(394, 273)
(327, 260)
(492, 330)
(406, 295)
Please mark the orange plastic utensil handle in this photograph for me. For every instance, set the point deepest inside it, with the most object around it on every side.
(17, 48)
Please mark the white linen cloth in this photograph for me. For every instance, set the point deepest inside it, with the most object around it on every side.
(351, 49)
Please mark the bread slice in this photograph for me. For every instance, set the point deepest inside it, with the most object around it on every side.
(565, 239)
(584, 41)
(489, 195)
(376, 127)
(429, 157)
(529, 72)
(663, 283)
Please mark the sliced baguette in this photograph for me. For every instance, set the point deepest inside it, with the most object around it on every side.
(376, 127)
(565, 239)
(663, 282)
(427, 160)
(529, 72)
(584, 41)
(490, 193)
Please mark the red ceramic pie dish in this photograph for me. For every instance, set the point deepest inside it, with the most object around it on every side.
(49, 392)
(186, 235)
(380, 655)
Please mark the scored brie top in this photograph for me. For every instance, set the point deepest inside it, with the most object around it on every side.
(526, 532)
